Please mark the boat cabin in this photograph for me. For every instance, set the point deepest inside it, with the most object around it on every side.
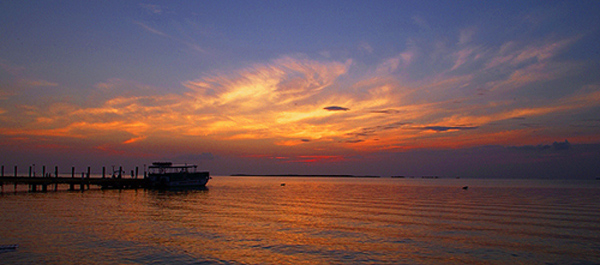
(169, 168)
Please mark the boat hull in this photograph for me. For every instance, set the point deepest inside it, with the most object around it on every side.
(178, 180)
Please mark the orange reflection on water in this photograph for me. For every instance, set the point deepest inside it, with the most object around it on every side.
(256, 220)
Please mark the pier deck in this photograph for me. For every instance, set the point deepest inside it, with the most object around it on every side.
(44, 182)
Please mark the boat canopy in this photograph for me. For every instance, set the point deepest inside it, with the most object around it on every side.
(168, 167)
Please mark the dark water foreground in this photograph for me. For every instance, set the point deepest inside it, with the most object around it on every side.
(256, 220)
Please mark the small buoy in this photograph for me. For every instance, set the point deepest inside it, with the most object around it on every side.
(282, 184)
(465, 187)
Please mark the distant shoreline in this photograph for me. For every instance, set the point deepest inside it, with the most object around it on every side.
(302, 175)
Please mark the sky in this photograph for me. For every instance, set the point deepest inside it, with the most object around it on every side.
(390, 88)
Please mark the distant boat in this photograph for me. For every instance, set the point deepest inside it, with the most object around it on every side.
(165, 175)
(8, 247)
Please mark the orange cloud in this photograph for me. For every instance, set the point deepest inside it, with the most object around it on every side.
(288, 102)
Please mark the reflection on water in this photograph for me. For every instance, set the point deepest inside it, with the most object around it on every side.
(254, 220)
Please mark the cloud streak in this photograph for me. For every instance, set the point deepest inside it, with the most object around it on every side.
(336, 108)
(191, 45)
(448, 128)
(279, 103)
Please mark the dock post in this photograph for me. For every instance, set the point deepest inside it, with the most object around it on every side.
(72, 185)
(30, 171)
(15, 177)
(56, 176)
(120, 171)
(32, 188)
(43, 171)
(82, 184)
(103, 172)
(44, 187)
(88, 177)
(136, 172)
(3, 170)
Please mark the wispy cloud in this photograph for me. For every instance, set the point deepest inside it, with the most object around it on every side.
(466, 36)
(308, 104)
(421, 22)
(189, 44)
(151, 29)
(153, 9)
(37, 83)
(365, 46)
(10, 68)
(556, 146)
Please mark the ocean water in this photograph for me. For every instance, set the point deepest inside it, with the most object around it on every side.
(258, 220)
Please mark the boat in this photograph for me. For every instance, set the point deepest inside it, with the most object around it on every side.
(165, 175)
(8, 248)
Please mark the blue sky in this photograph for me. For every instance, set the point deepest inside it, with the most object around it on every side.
(306, 87)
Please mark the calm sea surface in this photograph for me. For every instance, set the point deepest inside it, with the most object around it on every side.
(257, 220)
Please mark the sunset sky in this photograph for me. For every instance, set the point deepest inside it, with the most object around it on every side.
(448, 88)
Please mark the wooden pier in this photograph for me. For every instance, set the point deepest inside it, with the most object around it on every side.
(42, 183)
(48, 181)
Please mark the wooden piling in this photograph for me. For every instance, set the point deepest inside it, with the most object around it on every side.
(3, 170)
(103, 172)
(15, 177)
(72, 185)
(88, 177)
(82, 184)
(136, 172)
(30, 171)
(120, 172)
(43, 171)
(56, 176)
